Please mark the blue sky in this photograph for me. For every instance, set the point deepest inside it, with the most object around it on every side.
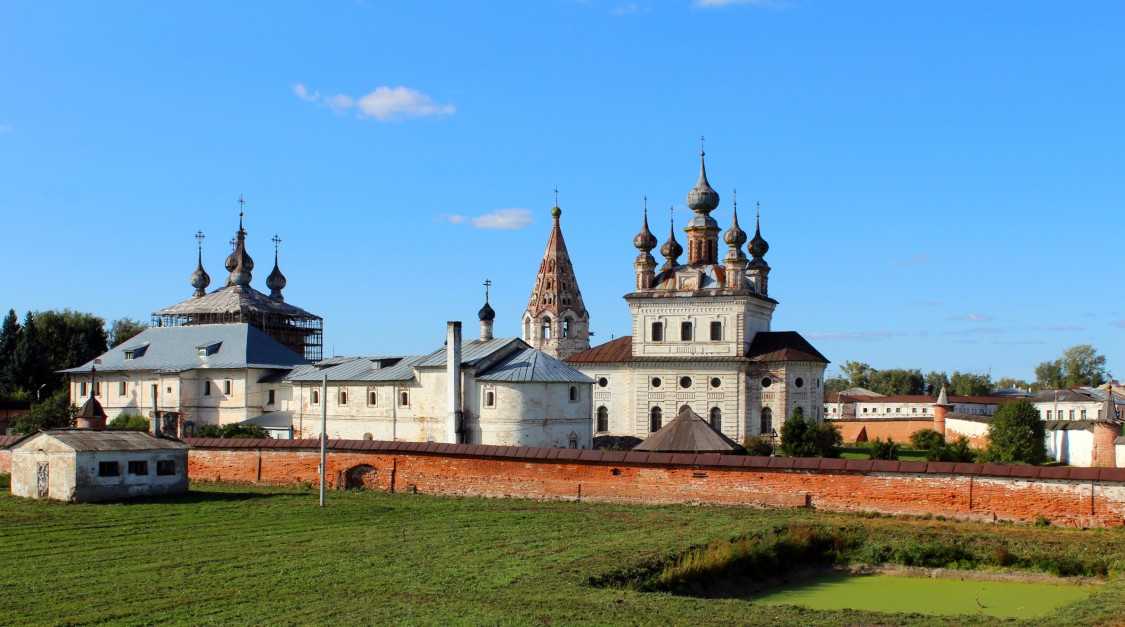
(940, 181)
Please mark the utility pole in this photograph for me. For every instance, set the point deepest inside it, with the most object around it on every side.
(323, 434)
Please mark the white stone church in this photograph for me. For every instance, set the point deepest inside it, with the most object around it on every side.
(702, 338)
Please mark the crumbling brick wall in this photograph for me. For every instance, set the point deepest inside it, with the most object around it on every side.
(1069, 496)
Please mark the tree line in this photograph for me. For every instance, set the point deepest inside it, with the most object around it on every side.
(34, 350)
(1078, 366)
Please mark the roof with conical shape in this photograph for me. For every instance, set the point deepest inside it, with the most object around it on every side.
(200, 279)
(688, 433)
(671, 248)
(735, 237)
(644, 241)
(702, 198)
(556, 285)
(942, 397)
(276, 280)
(1109, 407)
(758, 245)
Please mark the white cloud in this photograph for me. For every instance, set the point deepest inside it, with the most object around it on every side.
(384, 103)
(761, 4)
(501, 219)
(972, 317)
(505, 219)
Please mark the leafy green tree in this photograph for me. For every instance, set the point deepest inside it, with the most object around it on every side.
(50, 341)
(1016, 435)
(955, 451)
(802, 437)
(1010, 382)
(55, 412)
(129, 422)
(836, 384)
(30, 367)
(1078, 365)
(124, 329)
(233, 430)
(857, 374)
(926, 440)
(896, 381)
(934, 381)
(1049, 375)
(757, 445)
(9, 337)
(969, 384)
(883, 449)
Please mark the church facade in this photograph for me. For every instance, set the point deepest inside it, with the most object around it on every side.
(702, 338)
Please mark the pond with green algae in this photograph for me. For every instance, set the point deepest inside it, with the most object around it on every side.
(926, 595)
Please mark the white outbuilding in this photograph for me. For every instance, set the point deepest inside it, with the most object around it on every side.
(78, 465)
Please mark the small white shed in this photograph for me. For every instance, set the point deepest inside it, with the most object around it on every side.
(78, 465)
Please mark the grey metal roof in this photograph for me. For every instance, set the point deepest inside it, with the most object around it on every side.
(234, 299)
(174, 349)
(531, 365)
(358, 369)
(472, 352)
(86, 440)
(273, 420)
(688, 433)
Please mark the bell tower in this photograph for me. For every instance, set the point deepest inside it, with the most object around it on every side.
(556, 321)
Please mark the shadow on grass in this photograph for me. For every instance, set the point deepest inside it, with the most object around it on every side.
(195, 497)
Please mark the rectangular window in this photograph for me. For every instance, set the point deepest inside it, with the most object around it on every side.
(166, 467)
(121, 388)
(98, 388)
(372, 397)
(1072, 414)
(316, 397)
(342, 396)
(226, 387)
(716, 331)
(109, 469)
(490, 398)
(82, 389)
(657, 331)
(1048, 414)
(138, 467)
(1083, 414)
(152, 389)
(686, 334)
(207, 388)
(271, 396)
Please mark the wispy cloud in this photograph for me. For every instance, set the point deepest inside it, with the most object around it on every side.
(6, 128)
(1061, 328)
(1120, 324)
(971, 317)
(920, 259)
(629, 8)
(761, 4)
(501, 219)
(978, 331)
(858, 336)
(384, 103)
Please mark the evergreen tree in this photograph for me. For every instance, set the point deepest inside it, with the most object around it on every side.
(9, 336)
(1016, 435)
(124, 329)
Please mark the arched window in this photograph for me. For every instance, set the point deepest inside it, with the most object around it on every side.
(655, 420)
(685, 332)
(527, 328)
(573, 393)
(716, 419)
(404, 398)
(573, 440)
(545, 329)
(657, 331)
(799, 412)
(767, 421)
(603, 420)
(490, 398)
(566, 327)
(716, 331)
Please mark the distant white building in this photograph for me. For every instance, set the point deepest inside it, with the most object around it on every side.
(1082, 403)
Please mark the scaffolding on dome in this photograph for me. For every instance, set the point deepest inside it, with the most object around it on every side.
(292, 327)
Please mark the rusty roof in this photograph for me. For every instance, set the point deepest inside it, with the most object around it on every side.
(88, 440)
(613, 351)
(688, 433)
(923, 398)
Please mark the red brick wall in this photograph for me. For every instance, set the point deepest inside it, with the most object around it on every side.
(898, 430)
(1069, 496)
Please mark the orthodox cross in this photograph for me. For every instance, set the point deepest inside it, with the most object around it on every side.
(199, 237)
(734, 199)
(276, 243)
(556, 195)
(645, 198)
(701, 150)
(241, 209)
(487, 284)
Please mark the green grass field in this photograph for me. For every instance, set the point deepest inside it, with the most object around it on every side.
(237, 554)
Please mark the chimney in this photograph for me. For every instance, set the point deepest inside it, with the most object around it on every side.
(453, 373)
(155, 419)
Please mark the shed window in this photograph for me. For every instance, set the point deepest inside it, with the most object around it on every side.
(342, 396)
(573, 394)
(657, 331)
(686, 332)
(490, 398)
(109, 469)
(226, 387)
(138, 467)
(207, 388)
(165, 467)
(603, 420)
(716, 331)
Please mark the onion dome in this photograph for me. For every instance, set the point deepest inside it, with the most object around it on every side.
(276, 281)
(239, 254)
(702, 198)
(735, 237)
(671, 248)
(758, 245)
(556, 212)
(486, 313)
(200, 279)
(645, 241)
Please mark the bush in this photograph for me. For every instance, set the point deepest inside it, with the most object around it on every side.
(1016, 435)
(55, 412)
(801, 437)
(879, 449)
(129, 422)
(233, 430)
(757, 445)
(927, 440)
